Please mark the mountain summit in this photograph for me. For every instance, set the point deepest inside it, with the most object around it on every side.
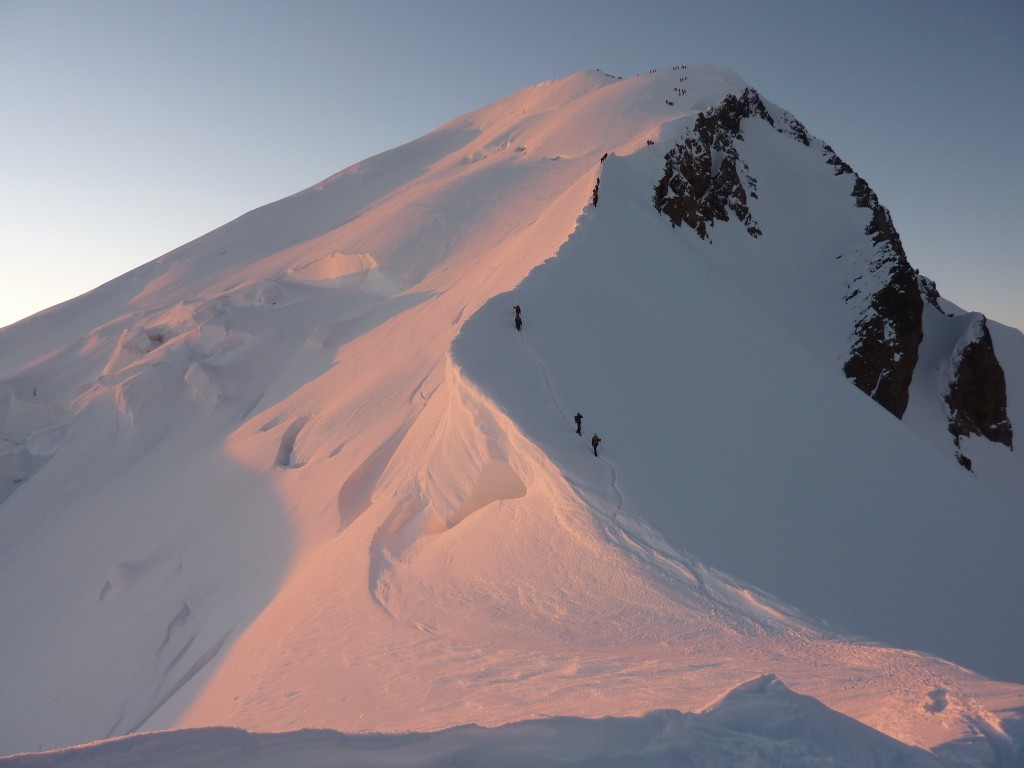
(305, 471)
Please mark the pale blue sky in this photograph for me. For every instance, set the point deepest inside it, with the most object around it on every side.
(130, 127)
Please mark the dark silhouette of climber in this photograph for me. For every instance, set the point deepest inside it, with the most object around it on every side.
(594, 441)
(579, 423)
(519, 319)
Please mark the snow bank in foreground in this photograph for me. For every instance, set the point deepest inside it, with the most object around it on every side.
(760, 723)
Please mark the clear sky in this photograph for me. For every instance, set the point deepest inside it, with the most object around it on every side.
(130, 127)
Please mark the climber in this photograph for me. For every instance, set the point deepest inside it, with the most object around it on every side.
(519, 323)
(594, 441)
(579, 423)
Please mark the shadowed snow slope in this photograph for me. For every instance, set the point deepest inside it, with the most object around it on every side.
(760, 724)
(304, 473)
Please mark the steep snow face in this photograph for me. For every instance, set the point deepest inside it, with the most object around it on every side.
(304, 472)
(746, 448)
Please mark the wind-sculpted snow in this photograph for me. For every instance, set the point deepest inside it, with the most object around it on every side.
(304, 472)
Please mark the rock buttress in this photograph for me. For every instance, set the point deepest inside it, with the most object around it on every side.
(889, 329)
(704, 177)
(976, 397)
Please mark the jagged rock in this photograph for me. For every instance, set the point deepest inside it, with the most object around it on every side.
(696, 192)
(977, 390)
(833, 159)
(889, 329)
(794, 128)
(887, 336)
(693, 191)
(880, 227)
(929, 291)
(963, 461)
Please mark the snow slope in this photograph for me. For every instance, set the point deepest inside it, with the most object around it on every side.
(748, 448)
(303, 472)
(760, 723)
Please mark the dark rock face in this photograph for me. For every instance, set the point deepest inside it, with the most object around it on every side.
(841, 167)
(884, 354)
(977, 390)
(705, 178)
(889, 329)
(929, 291)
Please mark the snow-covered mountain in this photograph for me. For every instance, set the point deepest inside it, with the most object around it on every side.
(303, 472)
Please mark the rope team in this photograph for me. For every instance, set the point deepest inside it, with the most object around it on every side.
(594, 440)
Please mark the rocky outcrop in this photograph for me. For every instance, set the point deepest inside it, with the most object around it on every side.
(976, 397)
(705, 179)
(840, 165)
(929, 291)
(884, 355)
(886, 337)
(889, 328)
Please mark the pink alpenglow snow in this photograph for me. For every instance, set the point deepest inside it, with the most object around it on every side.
(302, 472)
